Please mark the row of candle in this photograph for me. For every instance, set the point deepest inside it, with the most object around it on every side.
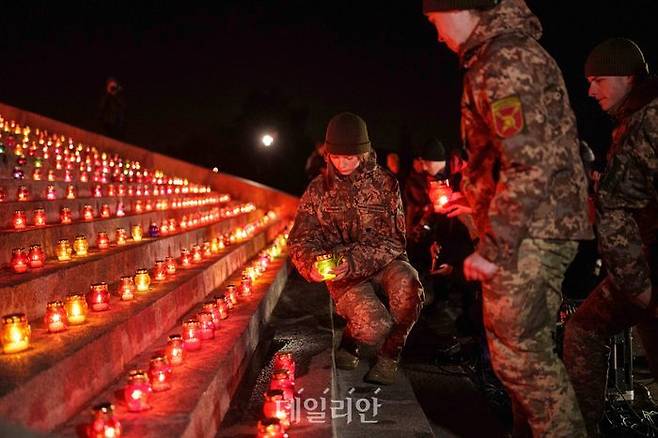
(140, 384)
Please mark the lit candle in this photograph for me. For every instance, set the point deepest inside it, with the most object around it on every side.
(136, 232)
(36, 175)
(192, 334)
(207, 251)
(65, 215)
(222, 307)
(51, 175)
(284, 361)
(99, 297)
(232, 295)
(170, 265)
(164, 227)
(102, 241)
(15, 333)
(159, 272)
(126, 288)
(159, 373)
(105, 211)
(55, 317)
(275, 406)
(270, 428)
(20, 220)
(70, 191)
(207, 325)
(23, 194)
(142, 280)
(281, 380)
(325, 265)
(19, 260)
(80, 246)
(36, 256)
(211, 307)
(196, 254)
(245, 285)
(111, 190)
(185, 258)
(175, 350)
(104, 424)
(137, 390)
(51, 194)
(214, 245)
(98, 192)
(76, 309)
(139, 208)
(63, 250)
(39, 217)
(120, 211)
(87, 213)
(154, 230)
(120, 236)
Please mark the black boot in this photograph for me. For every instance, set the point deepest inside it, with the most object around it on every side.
(347, 354)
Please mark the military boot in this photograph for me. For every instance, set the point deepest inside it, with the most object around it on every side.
(383, 372)
(347, 354)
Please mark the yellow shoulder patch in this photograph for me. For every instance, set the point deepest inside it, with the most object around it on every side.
(507, 116)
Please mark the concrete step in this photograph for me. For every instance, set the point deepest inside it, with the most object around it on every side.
(204, 384)
(46, 384)
(29, 292)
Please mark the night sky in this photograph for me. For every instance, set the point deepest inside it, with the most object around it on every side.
(202, 82)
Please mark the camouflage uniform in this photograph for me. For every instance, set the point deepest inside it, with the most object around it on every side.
(360, 217)
(527, 186)
(627, 221)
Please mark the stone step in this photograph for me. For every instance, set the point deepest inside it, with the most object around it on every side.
(29, 292)
(204, 384)
(46, 384)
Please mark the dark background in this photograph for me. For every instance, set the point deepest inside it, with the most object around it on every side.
(203, 82)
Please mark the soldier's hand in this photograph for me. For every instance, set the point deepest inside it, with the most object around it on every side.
(315, 274)
(341, 270)
(444, 270)
(477, 268)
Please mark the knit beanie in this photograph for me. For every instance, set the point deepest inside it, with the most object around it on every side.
(433, 150)
(451, 5)
(347, 134)
(616, 57)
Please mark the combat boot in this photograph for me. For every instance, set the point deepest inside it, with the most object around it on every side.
(347, 354)
(383, 372)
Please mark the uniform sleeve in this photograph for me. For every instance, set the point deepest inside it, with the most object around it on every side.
(510, 101)
(379, 245)
(650, 152)
(305, 238)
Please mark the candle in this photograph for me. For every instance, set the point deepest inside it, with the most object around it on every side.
(154, 230)
(142, 280)
(120, 211)
(36, 256)
(102, 241)
(87, 213)
(36, 175)
(65, 215)
(136, 232)
(120, 236)
(63, 250)
(175, 350)
(159, 373)
(159, 272)
(99, 297)
(126, 288)
(111, 190)
(98, 192)
(39, 217)
(284, 361)
(196, 254)
(245, 285)
(18, 173)
(275, 406)
(70, 191)
(23, 194)
(104, 424)
(19, 220)
(164, 227)
(214, 245)
(222, 307)
(232, 295)
(192, 334)
(51, 175)
(137, 390)
(51, 194)
(76, 309)
(15, 333)
(207, 251)
(139, 208)
(19, 260)
(270, 428)
(207, 325)
(80, 246)
(185, 258)
(170, 265)
(325, 265)
(105, 211)
(281, 380)
(55, 317)
(211, 307)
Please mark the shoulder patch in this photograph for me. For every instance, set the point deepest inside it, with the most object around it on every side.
(507, 114)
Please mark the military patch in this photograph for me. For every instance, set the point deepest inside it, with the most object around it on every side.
(507, 116)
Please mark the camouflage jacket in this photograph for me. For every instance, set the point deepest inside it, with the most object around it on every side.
(525, 177)
(358, 217)
(630, 180)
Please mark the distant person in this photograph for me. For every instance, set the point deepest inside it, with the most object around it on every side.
(112, 110)
(315, 163)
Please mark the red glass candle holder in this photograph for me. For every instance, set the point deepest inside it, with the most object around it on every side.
(70, 192)
(36, 256)
(160, 373)
(222, 307)
(207, 325)
(19, 221)
(16, 333)
(281, 380)
(55, 317)
(137, 391)
(19, 260)
(159, 271)
(185, 258)
(63, 250)
(270, 428)
(232, 295)
(245, 285)
(98, 191)
(120, 235)
(207, 251)
(87, 213)
(23, 194)
(196, 254)
(37, 175)
(139, 206)
(175, 350)
(104, 424)
(51, 175)
(76, 309)
(105, 211)
(211, 307)
(39, 217)
(214, 246)
(192, 335)
(120, 210)
(111, 190)
(51, 193)
(126, 288)
(276, 406)
(102, 240)
(284, 361)
(170, 265)
(65, 215)
(98, 297)
(142, 280)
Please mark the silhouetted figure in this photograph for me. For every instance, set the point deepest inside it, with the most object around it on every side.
(112, 110)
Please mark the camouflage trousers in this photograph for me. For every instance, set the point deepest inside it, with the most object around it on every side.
(520, 306)
(608, 310)
(370, 322)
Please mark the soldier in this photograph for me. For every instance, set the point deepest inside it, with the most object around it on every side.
(627, 221)
(526, 185)
(355, 214)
